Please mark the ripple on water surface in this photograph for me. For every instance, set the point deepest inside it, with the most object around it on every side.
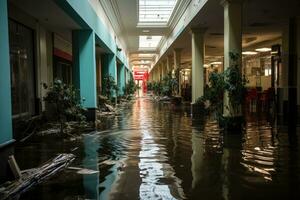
(156, 151)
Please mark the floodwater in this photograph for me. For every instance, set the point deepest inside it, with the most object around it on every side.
(156, 151)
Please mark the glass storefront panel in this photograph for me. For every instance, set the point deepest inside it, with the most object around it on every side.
(22, 70)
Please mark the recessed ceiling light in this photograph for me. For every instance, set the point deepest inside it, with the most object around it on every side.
(146, 31)
(249, 53)
(265, 49)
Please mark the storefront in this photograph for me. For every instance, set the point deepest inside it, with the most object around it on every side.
(23, 91)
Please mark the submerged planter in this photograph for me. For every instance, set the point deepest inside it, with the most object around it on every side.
(232, 124)
(197, 110)
(176, 100)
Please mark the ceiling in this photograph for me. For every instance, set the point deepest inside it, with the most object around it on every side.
(263, 22)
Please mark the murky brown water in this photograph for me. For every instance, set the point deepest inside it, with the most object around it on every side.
(155, 151)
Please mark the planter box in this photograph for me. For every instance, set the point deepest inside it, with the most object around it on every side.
(197, 110)
(176, 100)
(232, 124)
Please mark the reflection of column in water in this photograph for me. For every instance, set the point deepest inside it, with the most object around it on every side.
(231, 160)
(91, 181)
(206, 161)
(197, 159)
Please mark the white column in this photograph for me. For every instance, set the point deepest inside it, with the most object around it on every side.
(232, 38)
(198, 53)
(177, 61)
(168, 64)
(161, 71)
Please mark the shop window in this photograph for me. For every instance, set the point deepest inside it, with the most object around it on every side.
(22, 70)
(62, 70)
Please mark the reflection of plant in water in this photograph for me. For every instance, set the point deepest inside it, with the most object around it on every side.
(65, 101)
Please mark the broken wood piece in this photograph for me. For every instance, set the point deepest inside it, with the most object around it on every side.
(36, 176)
(14, 167)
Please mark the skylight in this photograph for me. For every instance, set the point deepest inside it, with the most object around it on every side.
(149, 42)
(156, 11)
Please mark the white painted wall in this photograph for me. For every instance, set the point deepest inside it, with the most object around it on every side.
(105, 20)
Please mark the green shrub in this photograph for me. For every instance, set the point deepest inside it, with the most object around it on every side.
(109, 86)
(65, 102)
(130, 87)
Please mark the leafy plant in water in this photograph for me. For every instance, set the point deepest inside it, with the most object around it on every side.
(235, 84)
(130, 87)
(157, 88)
(169, 85)
(231, 82)
(66, 102)
(109, 86)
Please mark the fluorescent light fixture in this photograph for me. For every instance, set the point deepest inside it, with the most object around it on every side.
(216, 63)
(264, 49)
(146, 31)
(156, 11)
(249, 53)
(149, 42)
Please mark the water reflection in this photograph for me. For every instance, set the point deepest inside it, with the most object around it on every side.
(90, 161)
(155, 151)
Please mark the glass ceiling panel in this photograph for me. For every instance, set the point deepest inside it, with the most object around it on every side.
(149, 42)
(156, 11)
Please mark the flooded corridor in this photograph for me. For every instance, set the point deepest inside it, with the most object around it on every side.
(156, 151)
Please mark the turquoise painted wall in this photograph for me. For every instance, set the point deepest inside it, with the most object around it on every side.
(109, 66)
(84, 66)
(82, 12)
(5, 84)
(121, 79)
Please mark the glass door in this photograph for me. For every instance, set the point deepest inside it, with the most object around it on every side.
(22, 70)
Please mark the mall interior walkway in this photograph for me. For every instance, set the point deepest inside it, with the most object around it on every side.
(156, 151)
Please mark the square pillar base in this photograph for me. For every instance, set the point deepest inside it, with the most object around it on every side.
(6, 150)
(91, 114)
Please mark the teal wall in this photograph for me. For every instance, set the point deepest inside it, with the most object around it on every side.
(5, 84)
(121, 79)
(109, 66)
(83, 13)
(84, 66)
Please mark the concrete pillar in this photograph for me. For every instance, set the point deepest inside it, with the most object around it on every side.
(177, 63)
(5, 82)
(42, 57)
(84, 69)
(232, 39)
(288, 80)
(168, 64)
(162, 70)
(298, 65)
(198, 54)
(121, 79)
(109, 67)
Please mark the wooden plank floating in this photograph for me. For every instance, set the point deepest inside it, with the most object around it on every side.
(32, 177)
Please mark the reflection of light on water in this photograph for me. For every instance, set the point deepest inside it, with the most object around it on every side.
(258, 153)
(158, 177)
